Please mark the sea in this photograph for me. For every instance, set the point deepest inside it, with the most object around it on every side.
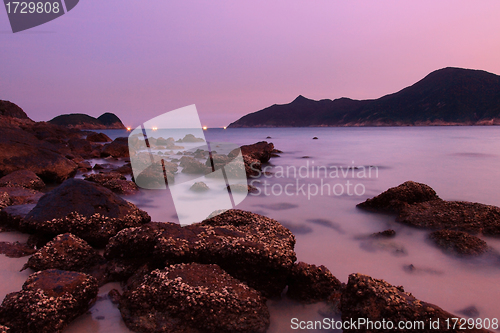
(313, 187)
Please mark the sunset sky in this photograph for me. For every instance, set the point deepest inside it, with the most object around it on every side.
(139, 59)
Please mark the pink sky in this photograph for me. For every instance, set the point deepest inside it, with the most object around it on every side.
(140, 59)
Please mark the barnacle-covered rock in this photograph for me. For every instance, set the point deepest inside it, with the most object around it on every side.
(395, 198)
(470, 217)
(65, 252)
(366, 298)
(251, 247)
(309, 283)
(84, 209)
(48, 301)
(194, 298)
(114, 181)
(22, 178)
(459, 242)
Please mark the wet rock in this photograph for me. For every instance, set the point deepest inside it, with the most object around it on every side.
(101, 178)
(395, 198)
(310, 283)
(389, 233)
(21, 150)
(5, 200)
(98, 137)
(114, 181)
(104, 166)
(253, 248)
(120, 186)
(470, 311)
(242, 188)
(194, 298)
(193, 166)
(13, 216)
(190, 138)
(315, 138)
(458, 242)
(65, 252)
(22, 178)
(124, 169)
(118, 148)
(154, 176)
(84, 209)
(253, 167)
(21, 196)
(16, 249)
(48, 301)
(80, 147)
(199, 187)
(453, 215)
(260, 151)
(377, 300)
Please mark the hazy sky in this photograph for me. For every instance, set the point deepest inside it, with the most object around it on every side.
(141, 58)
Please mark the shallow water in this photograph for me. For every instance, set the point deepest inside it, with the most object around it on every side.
(460, 163)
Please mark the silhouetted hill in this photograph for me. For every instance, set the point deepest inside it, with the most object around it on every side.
(449, 96)
(83, 121)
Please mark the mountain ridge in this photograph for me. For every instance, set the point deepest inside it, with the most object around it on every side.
(83, 121)
(448, 96)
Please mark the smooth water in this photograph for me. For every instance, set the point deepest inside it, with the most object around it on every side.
(459, 163)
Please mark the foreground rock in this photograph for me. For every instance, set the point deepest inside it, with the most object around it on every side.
(20, 195)
(377, 300)
(395, 198)
(21, 150)
(65, 252)
(22, 178)
(459, 242)
(252, 248)
(310, 283)
(48, 301)
(84, 209)
(194, 298)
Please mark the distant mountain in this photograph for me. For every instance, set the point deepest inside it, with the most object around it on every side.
(449, 96)
(83, 121)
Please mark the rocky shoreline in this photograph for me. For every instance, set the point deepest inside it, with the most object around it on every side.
(212, 276)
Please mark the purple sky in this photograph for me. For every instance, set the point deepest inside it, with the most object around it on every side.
(140, 59)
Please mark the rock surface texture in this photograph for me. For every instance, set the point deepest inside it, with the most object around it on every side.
(194, 298)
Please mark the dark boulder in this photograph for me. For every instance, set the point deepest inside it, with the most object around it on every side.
(458, 242)
(365, 298)
(84, 209)
(194, 298)
(118, 148)
(261, 151)
(16, 249)
(80, 147)
(13, 216)
(22, 178)
(389, 233)
(20, 195)
(310, 283)
(65, 252)
(193, 166)
(155, 176)
(20, 150)
(98, 137)
(48, 301)
(395, 198)
(199, 187)
(190, 138)
(454, 215)
(253, 248)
